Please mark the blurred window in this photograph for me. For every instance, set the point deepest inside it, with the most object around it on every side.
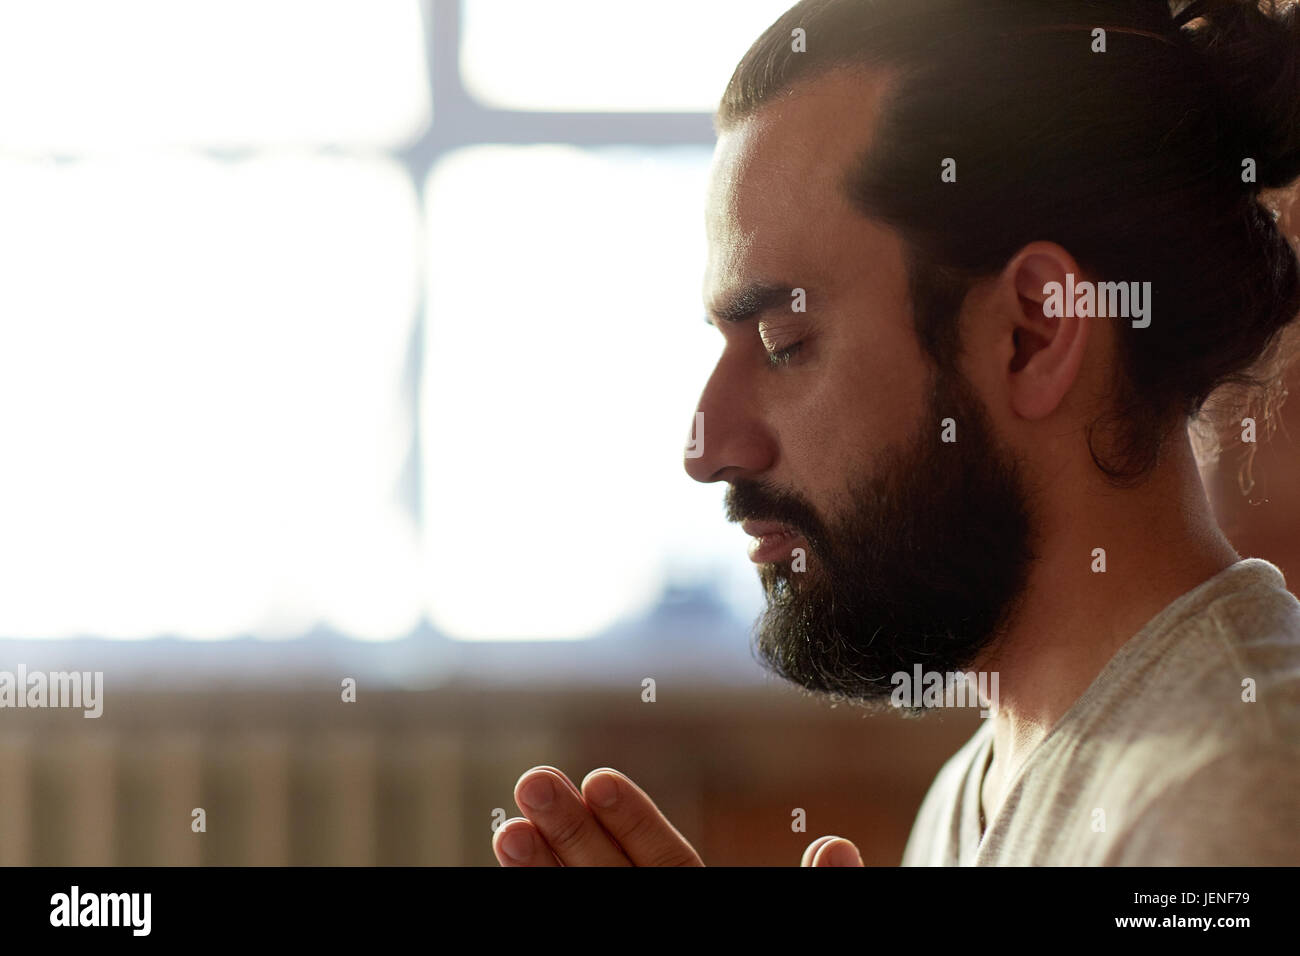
(598, 55)
(285, 343)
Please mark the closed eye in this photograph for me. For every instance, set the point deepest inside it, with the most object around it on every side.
(778, 358)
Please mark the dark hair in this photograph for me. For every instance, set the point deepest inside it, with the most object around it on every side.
(1131, 159)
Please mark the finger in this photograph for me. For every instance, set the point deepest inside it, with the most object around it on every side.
(635, 822)
(813, 847)
(564, 820)
(517, 843)
(562, 775)
(837, 852)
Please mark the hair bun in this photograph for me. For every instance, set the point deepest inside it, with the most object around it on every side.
(1251, 52)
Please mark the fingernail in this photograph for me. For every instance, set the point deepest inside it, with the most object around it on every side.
(517, 844)
(538, 792)
(602, 790)
(843, 854)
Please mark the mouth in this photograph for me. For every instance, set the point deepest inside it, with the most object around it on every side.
(772, 542)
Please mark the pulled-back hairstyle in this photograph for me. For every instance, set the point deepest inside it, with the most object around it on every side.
(1132, 159)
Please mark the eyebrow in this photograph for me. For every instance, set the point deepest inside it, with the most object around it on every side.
(749, 302)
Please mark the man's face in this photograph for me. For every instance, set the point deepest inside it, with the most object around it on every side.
(879, 545)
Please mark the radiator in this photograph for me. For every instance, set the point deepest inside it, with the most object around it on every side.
(85, 796)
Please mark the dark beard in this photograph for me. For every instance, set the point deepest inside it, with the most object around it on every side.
(925, 566)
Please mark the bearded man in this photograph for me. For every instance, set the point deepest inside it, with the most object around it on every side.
(942, 467)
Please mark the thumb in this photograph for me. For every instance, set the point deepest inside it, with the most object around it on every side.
(833, 851)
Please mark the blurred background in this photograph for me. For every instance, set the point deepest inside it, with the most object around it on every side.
(361, 340)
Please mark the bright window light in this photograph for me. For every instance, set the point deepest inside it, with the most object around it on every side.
(200, 397)
(602, 55)
(567, 351)
(83, 75)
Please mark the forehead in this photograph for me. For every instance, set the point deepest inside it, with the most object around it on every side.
(777, 200)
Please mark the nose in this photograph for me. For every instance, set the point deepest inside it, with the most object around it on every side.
(729, 438)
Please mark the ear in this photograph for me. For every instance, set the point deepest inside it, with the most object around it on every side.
(1047, 349)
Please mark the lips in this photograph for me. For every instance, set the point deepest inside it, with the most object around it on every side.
(772, 541)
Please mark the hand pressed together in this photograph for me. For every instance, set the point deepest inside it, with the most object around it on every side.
(609, 821)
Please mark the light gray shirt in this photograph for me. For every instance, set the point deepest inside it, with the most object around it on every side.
(1165, 760)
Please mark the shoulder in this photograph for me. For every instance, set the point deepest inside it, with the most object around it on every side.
(1206, 754)
(1226, 677)
(1238, 809)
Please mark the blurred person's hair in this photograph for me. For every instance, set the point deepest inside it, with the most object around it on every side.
(1131, 159)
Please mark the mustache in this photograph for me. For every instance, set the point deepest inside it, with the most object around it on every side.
(759, 501)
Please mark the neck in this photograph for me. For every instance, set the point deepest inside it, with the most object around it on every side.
(1160, 542)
